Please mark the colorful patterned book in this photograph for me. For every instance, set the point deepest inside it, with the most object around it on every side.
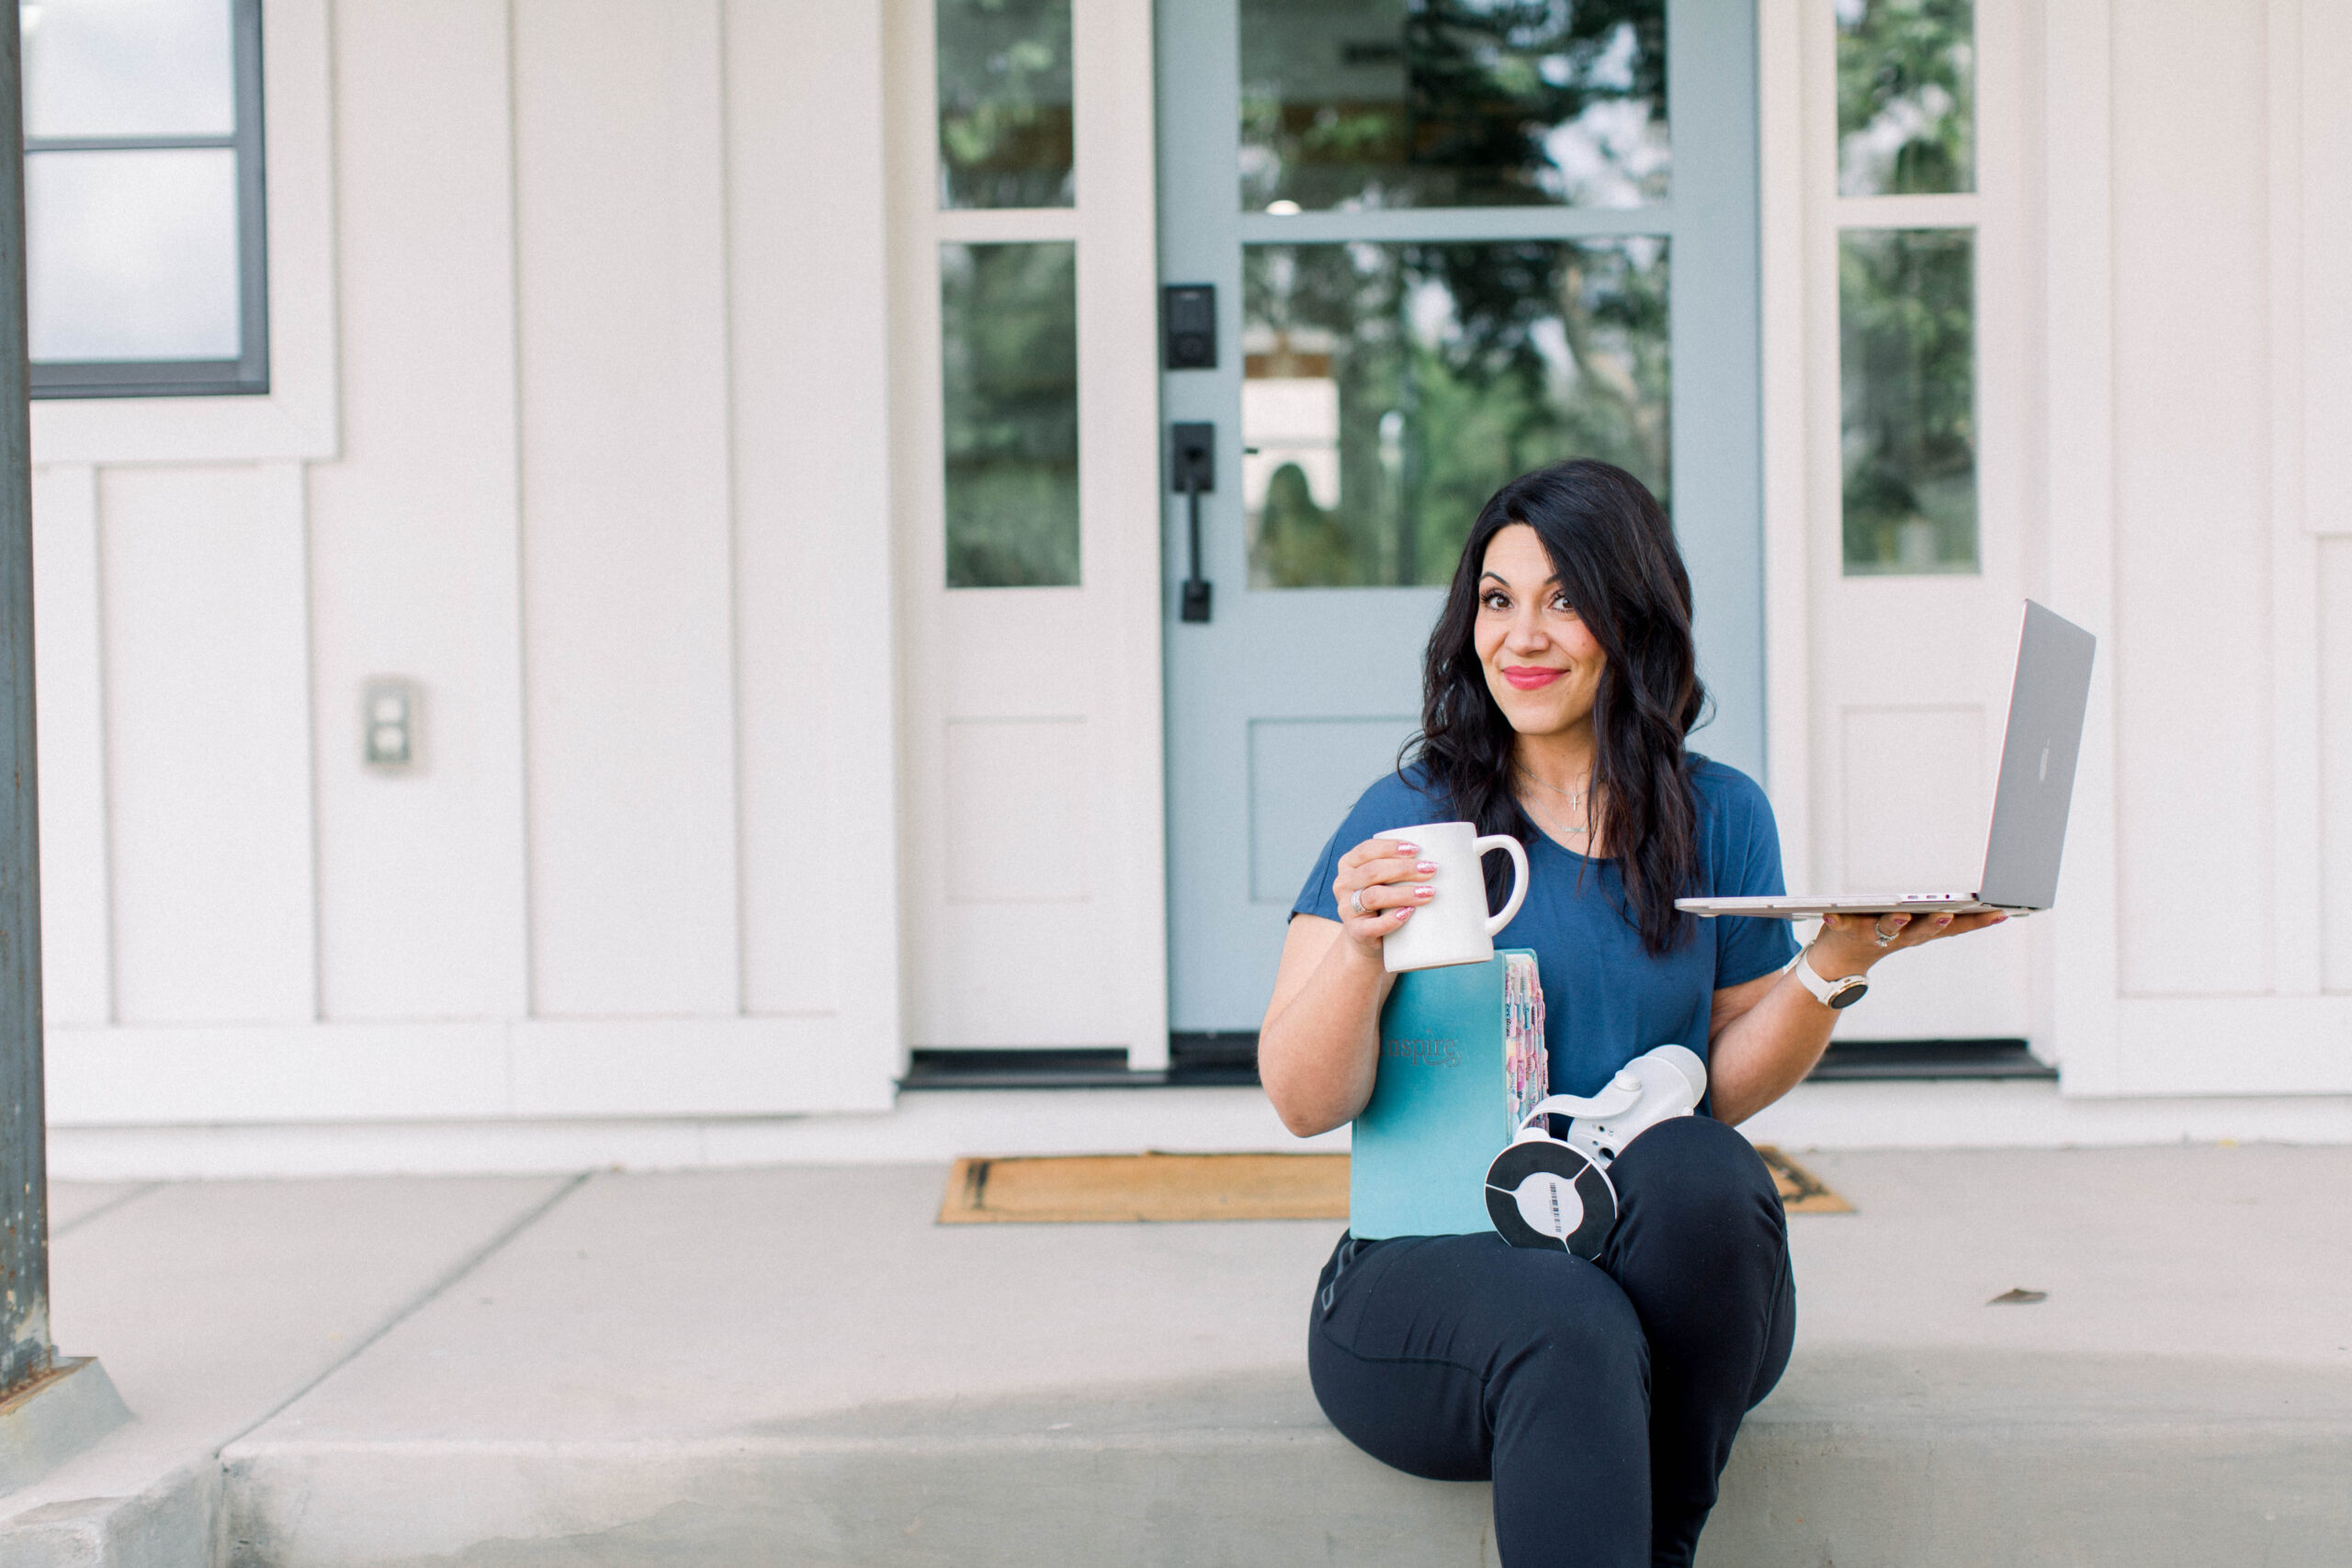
(1527, 1072)
(1461, 1061)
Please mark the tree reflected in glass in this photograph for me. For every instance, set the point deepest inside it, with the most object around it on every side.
(1907, 384)
(1008, 362)
(1452, 103)
(1389, 389)
(1907, 84)
(1004, 104)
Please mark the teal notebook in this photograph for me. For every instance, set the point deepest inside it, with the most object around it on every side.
(1461, 1051)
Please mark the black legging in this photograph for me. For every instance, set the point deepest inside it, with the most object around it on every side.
(1601, 1399)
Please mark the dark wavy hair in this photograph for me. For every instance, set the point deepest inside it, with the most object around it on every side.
(1613, 552)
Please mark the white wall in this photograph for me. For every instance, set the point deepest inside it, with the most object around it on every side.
(620, 224)
(580, 423)
(2164, 244)
(414, 544)
(2189, 662)
(2228, 719)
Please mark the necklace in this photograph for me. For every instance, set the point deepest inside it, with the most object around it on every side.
(1574, 797)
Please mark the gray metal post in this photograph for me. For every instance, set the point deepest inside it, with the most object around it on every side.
(25, 1352)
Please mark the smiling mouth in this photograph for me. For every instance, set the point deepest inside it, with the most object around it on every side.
(1528, 677)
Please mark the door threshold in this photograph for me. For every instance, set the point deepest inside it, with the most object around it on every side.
(1194, 1061)
(1204, 1060)
(1885, 1061)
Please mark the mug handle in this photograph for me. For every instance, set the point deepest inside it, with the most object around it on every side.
(1512, 848)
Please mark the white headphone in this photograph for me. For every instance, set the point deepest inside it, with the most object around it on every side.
(1550, 1192)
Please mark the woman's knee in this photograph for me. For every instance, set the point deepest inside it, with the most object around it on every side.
(1697, 1166)
(1569, 1326)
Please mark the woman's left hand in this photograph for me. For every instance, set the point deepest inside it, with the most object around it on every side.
(1850, 943)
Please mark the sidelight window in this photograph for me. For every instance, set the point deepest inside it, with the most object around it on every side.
(1906, 286)
(1008, 292)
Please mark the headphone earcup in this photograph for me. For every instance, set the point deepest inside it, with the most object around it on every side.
(1542, 1193)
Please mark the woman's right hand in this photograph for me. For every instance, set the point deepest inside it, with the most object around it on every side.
(1387, 879)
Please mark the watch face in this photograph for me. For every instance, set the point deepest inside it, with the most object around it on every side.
(1848, 993)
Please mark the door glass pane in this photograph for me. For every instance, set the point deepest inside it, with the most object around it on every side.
(128, 68)
(1452, 103)
(1908, 382)
(1009, 351)
(1906, 85)
(1389, 389)
(1004, 103)
(132, 256)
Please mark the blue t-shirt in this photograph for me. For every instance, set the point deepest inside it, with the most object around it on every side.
(1606, 1001)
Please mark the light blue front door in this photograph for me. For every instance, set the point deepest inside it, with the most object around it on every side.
(1450, 241)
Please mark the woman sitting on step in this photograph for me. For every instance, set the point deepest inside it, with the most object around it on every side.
(1600, 1397)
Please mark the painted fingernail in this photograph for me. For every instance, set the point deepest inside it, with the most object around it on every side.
(1404, 915)
(1427, 867)
(1943, 920)
(1424, 892)
(1405, 849)
(1998, 918)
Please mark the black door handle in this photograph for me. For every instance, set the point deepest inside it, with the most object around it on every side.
(1191, 472)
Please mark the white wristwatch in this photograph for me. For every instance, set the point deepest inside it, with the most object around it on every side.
(1841, 993)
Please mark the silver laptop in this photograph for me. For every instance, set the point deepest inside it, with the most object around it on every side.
(2029, 830)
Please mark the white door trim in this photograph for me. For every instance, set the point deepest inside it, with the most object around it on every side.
(2079, 486)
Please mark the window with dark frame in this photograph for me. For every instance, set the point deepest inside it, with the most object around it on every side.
(146, 266)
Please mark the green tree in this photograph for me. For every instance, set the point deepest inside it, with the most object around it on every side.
(1004, 103)
(1905, 96)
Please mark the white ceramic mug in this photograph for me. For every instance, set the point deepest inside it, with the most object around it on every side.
(1454, 927)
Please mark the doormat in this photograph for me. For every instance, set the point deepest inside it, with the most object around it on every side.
(1077, 1188)
(1129, 1188)
(1802, 1192)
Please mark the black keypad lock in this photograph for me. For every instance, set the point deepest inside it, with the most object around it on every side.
(1188, 321)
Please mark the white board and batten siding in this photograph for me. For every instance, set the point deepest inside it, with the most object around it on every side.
(605, 407)
(573, 424)
(2164, 331)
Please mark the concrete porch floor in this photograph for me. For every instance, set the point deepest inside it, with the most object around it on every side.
(794, 1364)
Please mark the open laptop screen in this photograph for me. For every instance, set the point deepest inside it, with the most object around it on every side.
(2029, 831)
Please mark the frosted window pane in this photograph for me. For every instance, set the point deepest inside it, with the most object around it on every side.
(128, 68)
(132, 255)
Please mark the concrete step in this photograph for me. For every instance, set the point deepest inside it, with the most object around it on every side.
(211, 1305)
(795, 1365)
(1926, 1459)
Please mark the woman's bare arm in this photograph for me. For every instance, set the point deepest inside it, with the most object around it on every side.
(1764, 1036)
(1320, 1043)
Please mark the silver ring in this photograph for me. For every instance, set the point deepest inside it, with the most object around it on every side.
(1884, 937)
(1355, 902)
